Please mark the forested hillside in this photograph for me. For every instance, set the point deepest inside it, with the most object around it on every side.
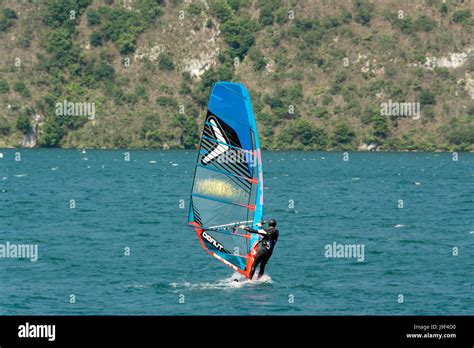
(138, 73)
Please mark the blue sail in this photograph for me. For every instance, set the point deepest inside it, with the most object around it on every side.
(228, 181)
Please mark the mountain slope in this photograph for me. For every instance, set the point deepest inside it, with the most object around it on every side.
(321, 74)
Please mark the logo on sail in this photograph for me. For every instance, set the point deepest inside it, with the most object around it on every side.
(221, 145)
(214, 242)
(223, 153)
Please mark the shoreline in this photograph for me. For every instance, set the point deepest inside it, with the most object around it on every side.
(278, 150)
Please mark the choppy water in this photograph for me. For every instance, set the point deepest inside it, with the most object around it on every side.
(136, 205)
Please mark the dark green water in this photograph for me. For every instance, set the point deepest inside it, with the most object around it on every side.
(136, 205)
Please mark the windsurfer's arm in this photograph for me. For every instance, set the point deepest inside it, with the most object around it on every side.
(260, 231)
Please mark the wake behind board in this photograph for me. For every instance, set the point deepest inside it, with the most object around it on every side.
(227, 189)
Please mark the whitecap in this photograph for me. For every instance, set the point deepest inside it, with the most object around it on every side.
(235, 281)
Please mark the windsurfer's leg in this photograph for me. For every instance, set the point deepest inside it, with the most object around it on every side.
(263, 263)
(258, 259)
(252, 271)
(254, 266)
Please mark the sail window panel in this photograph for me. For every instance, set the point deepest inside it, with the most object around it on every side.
(216, 212)
(213, 184)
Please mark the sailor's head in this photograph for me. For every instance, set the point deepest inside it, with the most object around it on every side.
(272, 223)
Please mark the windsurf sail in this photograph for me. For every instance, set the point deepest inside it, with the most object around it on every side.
(227, 189)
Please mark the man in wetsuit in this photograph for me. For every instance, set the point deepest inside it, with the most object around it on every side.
(265, 251)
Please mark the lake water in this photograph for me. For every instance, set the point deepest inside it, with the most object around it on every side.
(413, 214)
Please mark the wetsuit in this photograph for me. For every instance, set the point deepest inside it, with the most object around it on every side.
(268, 242)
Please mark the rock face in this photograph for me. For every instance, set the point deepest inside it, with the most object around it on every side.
(149, 53)
(198, 66)
(205, 45)
(470, 85)
(370, 147)
(452, 61)
(29, 140)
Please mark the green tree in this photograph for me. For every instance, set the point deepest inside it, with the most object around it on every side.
(52, 132)
(195, 9)
(165, 62)
(470, 111)
(237, 4)
(320, 139)
(122, 26)
(126, 43)
(150, 129)
(23, 123)
(460, 133)
(238, 34)
(405, 24)
(60, 46)
(190, 133)
(4, 87)
(103, 71)
(321, 112)
(211, 76)
(443, 9)
(221, 10)
(57, 13)
(427, 98)
(7, 18)
(189, 130)
(4, 126)
(295, 92)
(461, 16)
(281, 16)
(95, 39)
(301, 134)
(20, 87)
(9, 13)
(380, 127)
(93, 17)
(342, 134)
(266, 16)
(425, 23)
(258, 59)
(364, 12)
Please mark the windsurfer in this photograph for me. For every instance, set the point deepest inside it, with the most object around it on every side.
(267, 244)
